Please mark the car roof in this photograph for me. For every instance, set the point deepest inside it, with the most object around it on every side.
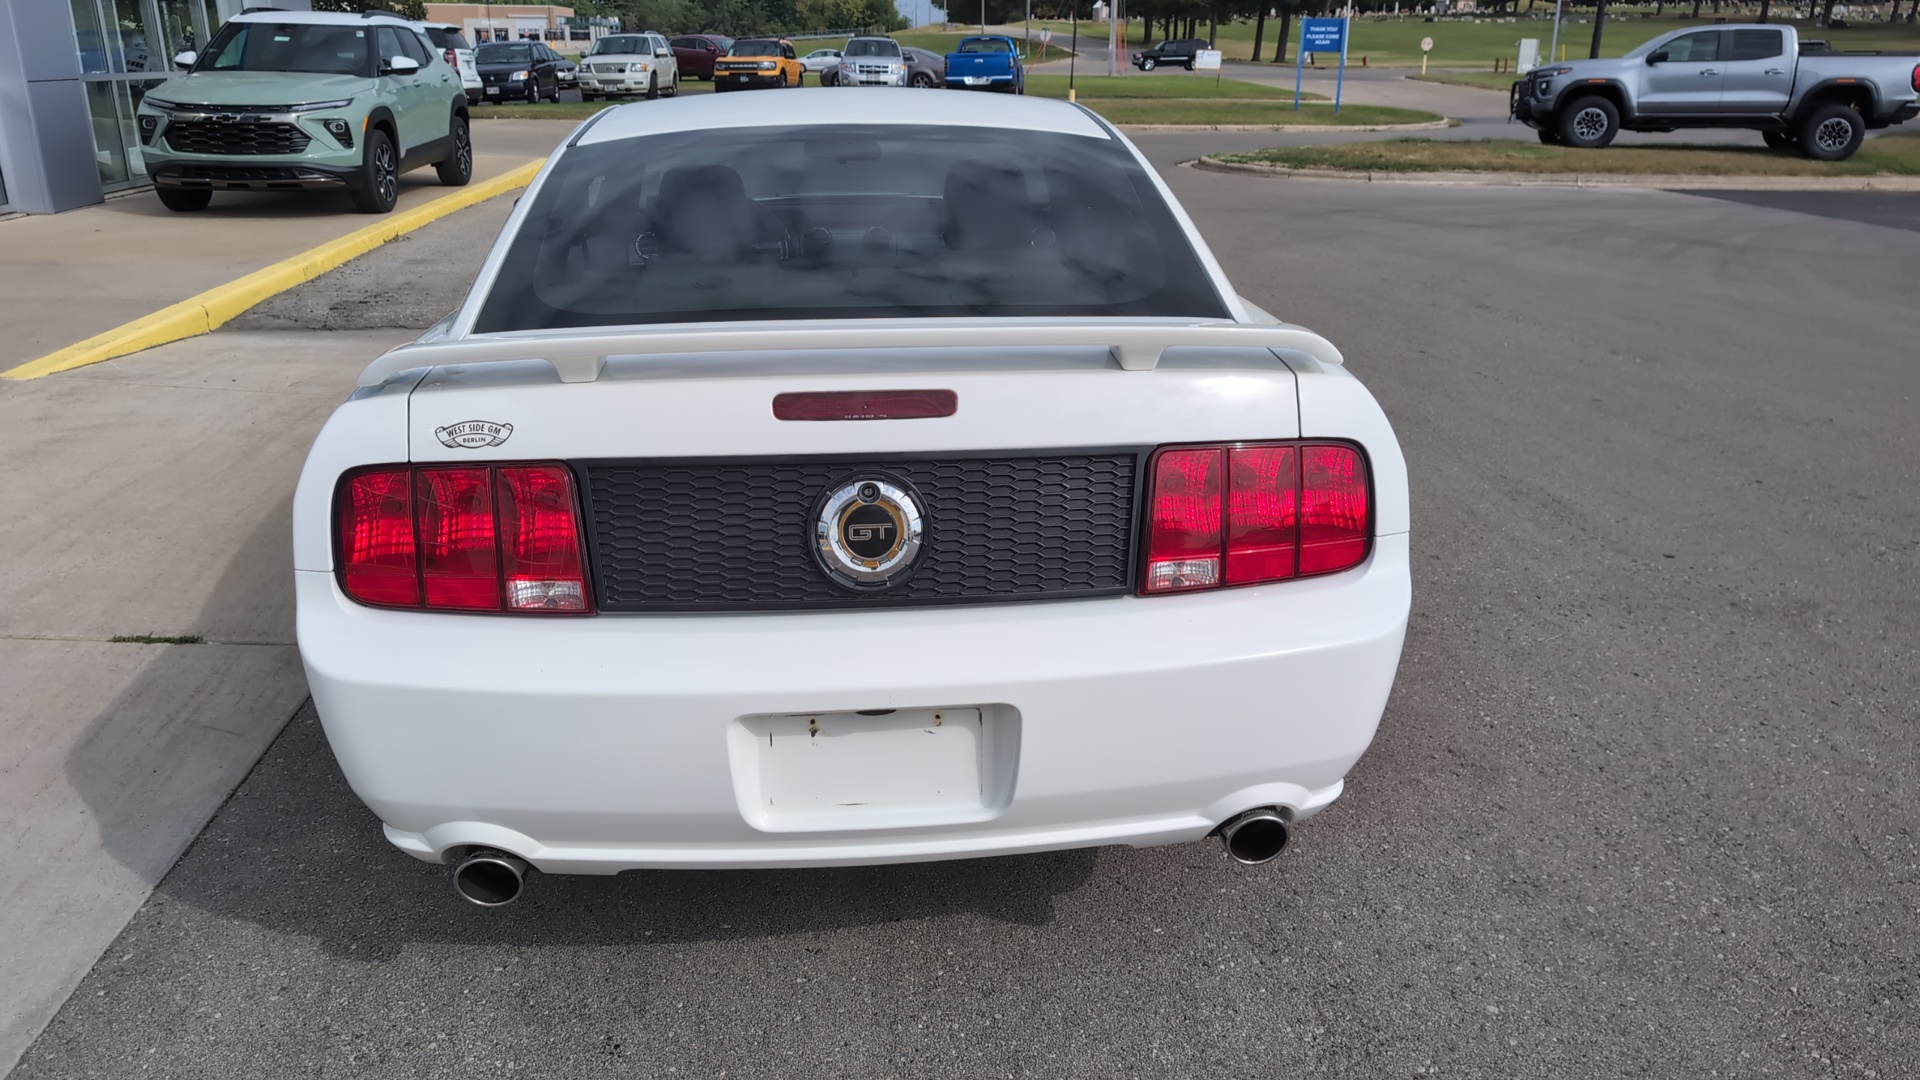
(821, 106)
(335, 18)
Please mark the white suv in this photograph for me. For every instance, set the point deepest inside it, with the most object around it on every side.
(623, 64)
(458, 54)
(872, 61)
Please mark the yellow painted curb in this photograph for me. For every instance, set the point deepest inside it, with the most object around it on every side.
(208, 311)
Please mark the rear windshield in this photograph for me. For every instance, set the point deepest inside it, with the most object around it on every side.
(619, 45)
(444, 38)
(859, 47)
(845, 222)
(986, 45)
(502, 54)
(756, 47)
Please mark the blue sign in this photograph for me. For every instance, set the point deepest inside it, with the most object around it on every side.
(1323, 35)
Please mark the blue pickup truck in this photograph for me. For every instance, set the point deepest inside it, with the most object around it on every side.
(987, 63)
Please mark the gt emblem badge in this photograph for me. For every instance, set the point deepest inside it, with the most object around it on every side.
(473, 434)
(868, 532)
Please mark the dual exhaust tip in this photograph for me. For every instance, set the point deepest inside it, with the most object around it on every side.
(490, 878)
(1255, 837)
(495, 879)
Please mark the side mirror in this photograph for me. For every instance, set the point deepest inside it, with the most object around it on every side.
(1658, 56)
(663, 52)
(186, 59)
(402, 65)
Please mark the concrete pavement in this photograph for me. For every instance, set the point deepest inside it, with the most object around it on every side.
(145, 496)
(70, 276)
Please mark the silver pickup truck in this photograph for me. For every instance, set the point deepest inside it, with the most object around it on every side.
(1796, 94)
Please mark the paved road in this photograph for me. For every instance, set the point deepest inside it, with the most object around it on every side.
(1642, 804)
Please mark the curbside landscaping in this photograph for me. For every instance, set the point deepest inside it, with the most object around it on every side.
(1668, 181)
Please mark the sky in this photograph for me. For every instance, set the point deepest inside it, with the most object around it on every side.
(915, 11)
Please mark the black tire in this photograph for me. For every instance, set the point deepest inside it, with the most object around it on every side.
(1831, 133)
(721, 88)
(653, 86)
(184, 200)
(1778, 140)
(674, 90)
(1147, 63)
(457, 167)
(1548, 137)
(533, 91)
(1589, 123)
(921, 81)
(1188, 65)
(556, 92)
(378, 188)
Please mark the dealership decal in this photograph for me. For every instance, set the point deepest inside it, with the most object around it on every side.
(473, 434)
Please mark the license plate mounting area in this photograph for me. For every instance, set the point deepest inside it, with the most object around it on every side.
(874, 769)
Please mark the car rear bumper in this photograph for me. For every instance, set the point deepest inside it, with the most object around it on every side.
(978, 82)
(600, 744)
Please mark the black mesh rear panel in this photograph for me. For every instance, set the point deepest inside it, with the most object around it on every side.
(740, 534)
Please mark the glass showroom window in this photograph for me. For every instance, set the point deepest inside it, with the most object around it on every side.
(126, 47)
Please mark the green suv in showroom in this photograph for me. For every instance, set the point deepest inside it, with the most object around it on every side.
(295, 100)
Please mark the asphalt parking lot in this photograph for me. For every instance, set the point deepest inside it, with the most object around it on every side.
(1642, 804)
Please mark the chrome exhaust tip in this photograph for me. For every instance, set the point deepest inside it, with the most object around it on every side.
(490, 878)
(1255, 837)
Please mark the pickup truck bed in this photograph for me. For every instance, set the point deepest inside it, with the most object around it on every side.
(986, 63)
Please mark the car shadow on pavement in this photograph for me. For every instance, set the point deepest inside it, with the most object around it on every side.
(294, 851)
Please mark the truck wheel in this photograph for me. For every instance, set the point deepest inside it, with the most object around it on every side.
(1778, 140)
(674, 90)
(1831, 133)
(1589, 123)
(457, 167)
(1146, 63)
(184, 200)
(1549, 138)
(653, 86)
(379, 185)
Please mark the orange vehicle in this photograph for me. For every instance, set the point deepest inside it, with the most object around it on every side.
(757, 64)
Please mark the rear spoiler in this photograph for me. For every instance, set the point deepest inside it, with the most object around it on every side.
(580, 355)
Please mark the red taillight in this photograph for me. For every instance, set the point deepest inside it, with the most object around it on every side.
(540, 540)
(463, 538)
(377, 559)
(459, 567)
(1240, 514)
(1334, 512)
(1183, 530)
(453, 59)
(865, 405)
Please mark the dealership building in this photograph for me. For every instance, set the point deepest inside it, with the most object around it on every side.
(73, 71)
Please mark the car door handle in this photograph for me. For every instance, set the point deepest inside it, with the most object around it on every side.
(1775, 71)
(1709, 71)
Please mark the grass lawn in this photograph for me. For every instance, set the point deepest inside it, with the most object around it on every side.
(1395, 42)
(1485, 80)
(1121, 111)
(1185, 87)
(1270, 109)
(1897, 155)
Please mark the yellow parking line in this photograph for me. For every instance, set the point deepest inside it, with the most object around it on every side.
(209, 310)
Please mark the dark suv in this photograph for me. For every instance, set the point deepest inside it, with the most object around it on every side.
(697, 52)
(1179, 53)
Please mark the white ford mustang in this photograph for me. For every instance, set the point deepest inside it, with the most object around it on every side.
(838, 480)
